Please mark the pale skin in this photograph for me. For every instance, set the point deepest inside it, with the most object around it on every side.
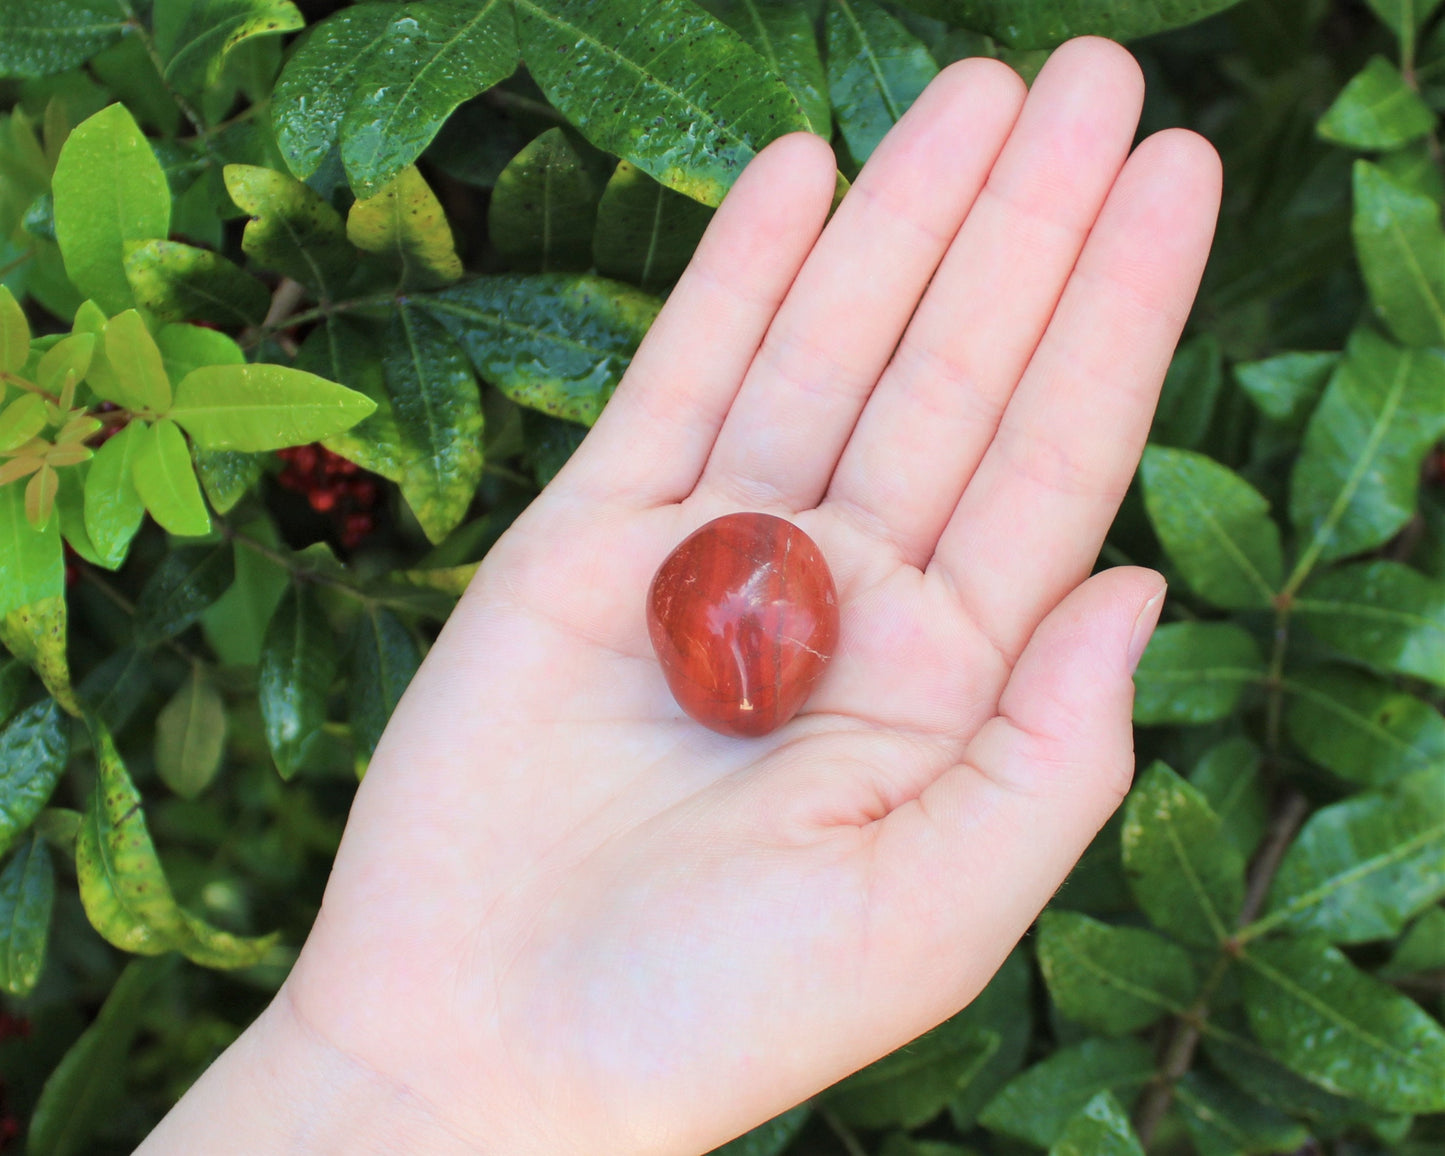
(567, 919)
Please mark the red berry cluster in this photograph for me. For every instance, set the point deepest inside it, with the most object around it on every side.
(9, 1125)
(334, 486)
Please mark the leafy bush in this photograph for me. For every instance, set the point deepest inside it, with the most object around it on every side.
(412, 249)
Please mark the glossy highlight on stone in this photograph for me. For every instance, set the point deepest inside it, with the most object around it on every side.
(744, 617)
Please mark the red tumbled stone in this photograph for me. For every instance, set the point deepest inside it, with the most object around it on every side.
(743, 617)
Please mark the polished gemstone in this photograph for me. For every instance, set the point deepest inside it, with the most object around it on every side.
(743, 617)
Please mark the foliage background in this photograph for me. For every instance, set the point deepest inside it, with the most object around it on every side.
(1250, 959)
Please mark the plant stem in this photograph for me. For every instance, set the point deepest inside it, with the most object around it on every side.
(128, 608)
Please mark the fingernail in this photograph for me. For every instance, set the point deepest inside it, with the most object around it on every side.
(1144, 628)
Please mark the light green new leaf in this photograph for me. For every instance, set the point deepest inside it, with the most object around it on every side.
(771, 1138)
(43, 37)
(135, 360)
(405, 223)
(1223, 1121)
(165, 479)
(384, 657)
(36, 635)
(646, 233)
(1228, 776)
(1362, 729)
(27, 892)
(113, 509)
(1187, 877)
(14, 335)
(292, 230)
(298, 665)
(1286, 387)
(782, 33)
(189, 579)
(69, 355)
(1114, 980)
(1361, 869)
(1356, 481)
(1037, 1105)
(692, 119)
(554, 342)
(1195, 672)
(1046, 23)
(89, 1082)
(1100, 1128)
(34, 566)
(1339, 1028)
(263, 407)
(191, 736)
(1376, 110)
(543, 207)
(1380, 613)
(1214, 526)
(21, 420)
(179, 282)
(876, 70)
(438, 412)
(1401, 248)
(195, 39)
(109, 189)
(34, 747)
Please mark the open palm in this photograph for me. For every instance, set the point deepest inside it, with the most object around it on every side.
(566, 918)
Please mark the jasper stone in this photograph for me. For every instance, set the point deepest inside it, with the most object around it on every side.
(743, 617)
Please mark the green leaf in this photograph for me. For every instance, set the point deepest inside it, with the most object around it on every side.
(179, 282)
(1356, 481)
(34, 561)
(1341, 1029)
(236, 623)
(227, 476)
(188, 347)
(14, 680)
(14, 335)
(180, 588)
(34, 748)
(1223, 1121)
(1380, 613)
(166, 481)
(781, 32)
(263, 407)
(1361, 869)
(1037, 1105)
(405, 223)
(1190, 393)
(135, 360)
(1046, 23)
(381, 82)
(27, 893)
(195, 39)
(109, 189)
(1195, 672)
(690, 119)
(1401, 248)
(292, 230)
(544, 206)
(43, 37)
(771, 1138)
(1376, 110)
(876, 70)
(1113, 980)
(70, 506)
(191, 736)
(438, 412)
(1404, 17)
(36, 634)
(1186, 876)
(1101, 1128)
(1421, 949)
(1362, 729)
(89, 1082)
(1004, 1008)
(385, 656)
(1228, 776)
(298, 666)
(113, 509)
(1286, 387)
(348, 350)
(646, 233)
(1214, 526)
(558, 343)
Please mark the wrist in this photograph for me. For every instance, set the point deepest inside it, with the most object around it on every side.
(282, 1088)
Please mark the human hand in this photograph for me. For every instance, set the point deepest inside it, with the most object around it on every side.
(566, 918)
